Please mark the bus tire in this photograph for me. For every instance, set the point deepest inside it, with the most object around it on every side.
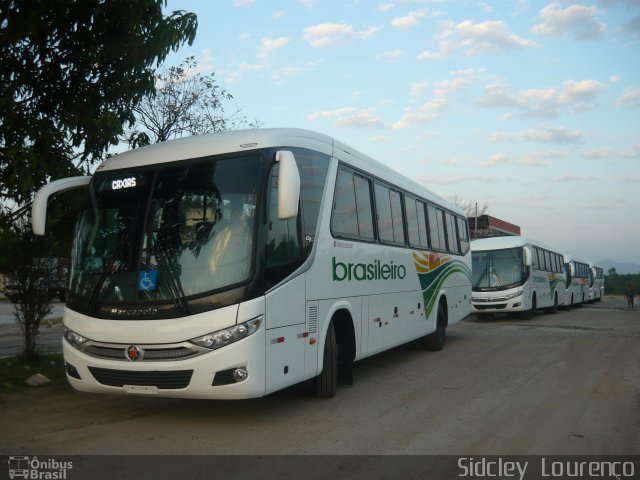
(327, 381)
(553, 310)
(528, 314)
(435, 341)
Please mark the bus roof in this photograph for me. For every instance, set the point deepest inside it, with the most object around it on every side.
(509, 241)
(246, 140)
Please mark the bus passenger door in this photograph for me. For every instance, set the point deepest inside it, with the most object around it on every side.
(285, 335)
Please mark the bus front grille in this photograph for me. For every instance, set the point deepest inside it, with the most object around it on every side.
(169, 380)
(149, 352)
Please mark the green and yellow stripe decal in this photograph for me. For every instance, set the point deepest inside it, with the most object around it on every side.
(433, 270)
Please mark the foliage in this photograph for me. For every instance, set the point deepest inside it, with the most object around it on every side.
(15, 370)
(469, 207)
(71, 74)
(615, 283)
(186, 102)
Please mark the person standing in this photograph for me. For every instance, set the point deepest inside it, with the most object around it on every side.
(629, 295)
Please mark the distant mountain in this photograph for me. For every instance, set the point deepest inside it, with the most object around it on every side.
(621, 267)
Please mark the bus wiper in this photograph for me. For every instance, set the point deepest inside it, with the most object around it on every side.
(168, 274)
(484, 274)
(103, 278)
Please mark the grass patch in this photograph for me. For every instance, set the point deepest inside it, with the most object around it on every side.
(15, 370)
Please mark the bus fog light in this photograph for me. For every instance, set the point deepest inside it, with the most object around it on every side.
(240, 374)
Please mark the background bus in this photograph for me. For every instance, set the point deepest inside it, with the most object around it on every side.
(515, 274)
(235, 264)
(596, 283)
(577, 282)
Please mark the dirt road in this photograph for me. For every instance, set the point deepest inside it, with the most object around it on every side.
(557, 384)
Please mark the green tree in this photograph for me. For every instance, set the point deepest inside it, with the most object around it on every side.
(185, 102)
(72, 73)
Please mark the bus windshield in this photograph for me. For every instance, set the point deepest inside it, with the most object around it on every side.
(497, 269)
(167, 233)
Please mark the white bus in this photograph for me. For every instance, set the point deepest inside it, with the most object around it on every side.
(577, 282)
(515, 274)
(596, 283)
(232, 265)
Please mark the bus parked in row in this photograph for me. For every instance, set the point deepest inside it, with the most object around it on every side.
(577, 274)
(515, 274)
(596, 283)
(232, 265)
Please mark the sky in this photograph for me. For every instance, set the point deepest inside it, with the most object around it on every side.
(529, 107)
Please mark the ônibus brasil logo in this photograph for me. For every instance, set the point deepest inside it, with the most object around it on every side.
(367, 271)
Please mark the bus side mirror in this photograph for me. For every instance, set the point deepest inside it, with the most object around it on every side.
(526, 256)
(288, 185)
(572, 270)
(39, 207)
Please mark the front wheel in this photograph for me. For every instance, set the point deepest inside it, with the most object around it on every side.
(528, 314)
(327, 381)
(435, 341)
(554, 308)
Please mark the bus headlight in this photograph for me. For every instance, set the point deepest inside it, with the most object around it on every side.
(513, 295)
(74, 338)
(218, 339)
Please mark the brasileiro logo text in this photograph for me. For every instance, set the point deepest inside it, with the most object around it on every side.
(375, 270)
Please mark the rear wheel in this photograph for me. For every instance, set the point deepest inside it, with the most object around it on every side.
(435, 341)
(327, 381)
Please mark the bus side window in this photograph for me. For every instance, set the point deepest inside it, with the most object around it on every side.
(463, 235)
(352, 212)
(435, 232)
(452, 235)
(535, 258)
(283, 253)
(390, 218)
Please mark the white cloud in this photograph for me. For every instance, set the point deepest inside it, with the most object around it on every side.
(433, 108)
(350, 117)
(412, 19)
(448, 180)
(495, 160)
(614, 79)
(474, 38)
(630, 98)
(385, 7)
(267, 48)
(330, 34)
(243, 3)
(278, 15)
(578, 21)
(546, 103)
(574, 178)
(268, 45)
(540, 159)
(548, 135)
(607, 153)
(418, 89)
(390, 56)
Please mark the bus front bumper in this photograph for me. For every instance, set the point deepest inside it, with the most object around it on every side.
(517, 302)
(210, 375)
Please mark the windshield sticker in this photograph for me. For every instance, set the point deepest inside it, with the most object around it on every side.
(147, 281)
